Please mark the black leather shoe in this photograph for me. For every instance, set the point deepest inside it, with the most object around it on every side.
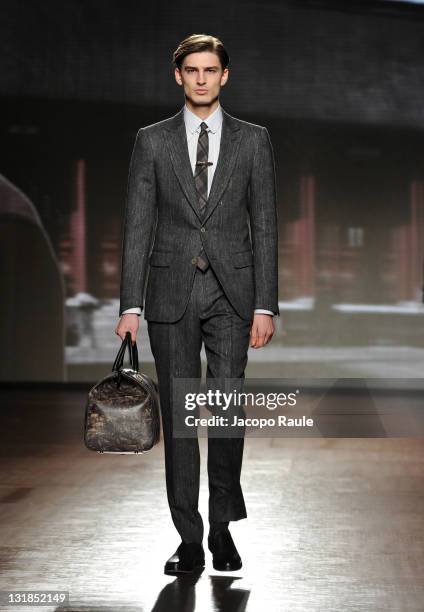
(225, 557)
(187, 558)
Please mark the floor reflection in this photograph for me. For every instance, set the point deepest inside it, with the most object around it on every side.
(225, 598)
(180, 595)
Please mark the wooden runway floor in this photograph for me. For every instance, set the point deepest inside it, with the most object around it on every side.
(333, 524)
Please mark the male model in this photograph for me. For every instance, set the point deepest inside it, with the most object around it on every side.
(201, 219)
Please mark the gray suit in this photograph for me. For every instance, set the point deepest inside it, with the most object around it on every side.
(163, 234)
(162, 210)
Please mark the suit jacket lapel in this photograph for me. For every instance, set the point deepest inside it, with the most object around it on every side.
(176, 141)
(228, 151)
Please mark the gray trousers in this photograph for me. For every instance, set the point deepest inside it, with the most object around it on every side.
(208, 318)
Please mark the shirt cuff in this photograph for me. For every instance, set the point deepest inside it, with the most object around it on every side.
(135, 310)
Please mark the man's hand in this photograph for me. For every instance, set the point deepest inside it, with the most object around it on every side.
(262, 330)
(128, 322)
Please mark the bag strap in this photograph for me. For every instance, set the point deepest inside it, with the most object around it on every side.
(133, 353)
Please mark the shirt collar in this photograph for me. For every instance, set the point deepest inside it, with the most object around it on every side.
(193, 122)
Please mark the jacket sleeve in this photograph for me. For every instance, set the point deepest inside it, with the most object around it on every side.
(264, 224)
(139, 223)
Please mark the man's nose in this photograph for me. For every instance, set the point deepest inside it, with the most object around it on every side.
(201, 79)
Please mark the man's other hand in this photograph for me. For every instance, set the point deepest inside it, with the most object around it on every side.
(128, 322)
(262, 330)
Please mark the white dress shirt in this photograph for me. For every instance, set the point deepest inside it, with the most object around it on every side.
(192, 123)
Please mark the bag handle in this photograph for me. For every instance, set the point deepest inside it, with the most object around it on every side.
(133, 353)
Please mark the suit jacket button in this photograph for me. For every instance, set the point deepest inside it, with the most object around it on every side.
(202, 229)
(194, 260)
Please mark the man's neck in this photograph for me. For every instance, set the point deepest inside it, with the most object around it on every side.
(202, 111)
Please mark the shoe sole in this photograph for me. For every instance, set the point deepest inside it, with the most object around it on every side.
(226, 567)
(175, 571)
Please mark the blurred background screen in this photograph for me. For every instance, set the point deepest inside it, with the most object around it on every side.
(340, 87)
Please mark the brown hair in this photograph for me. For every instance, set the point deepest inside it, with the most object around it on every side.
(200, 42)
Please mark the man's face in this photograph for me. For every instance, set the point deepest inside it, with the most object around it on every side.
(202, 77)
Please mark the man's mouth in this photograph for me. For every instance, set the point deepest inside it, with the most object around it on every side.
(201, 90)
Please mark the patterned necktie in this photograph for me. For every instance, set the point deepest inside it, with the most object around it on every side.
(201, 180)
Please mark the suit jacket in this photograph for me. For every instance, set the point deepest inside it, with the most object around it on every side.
(164, 229)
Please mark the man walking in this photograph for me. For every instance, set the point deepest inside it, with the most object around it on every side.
(201, 219)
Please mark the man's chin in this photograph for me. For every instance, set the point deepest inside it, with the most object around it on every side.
(202, 100)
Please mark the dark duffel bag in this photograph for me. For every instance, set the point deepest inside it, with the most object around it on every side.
(122, 414)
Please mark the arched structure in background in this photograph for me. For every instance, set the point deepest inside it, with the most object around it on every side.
(32, 330)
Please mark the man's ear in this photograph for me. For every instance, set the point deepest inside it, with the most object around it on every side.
(224, 77)
(177, 74)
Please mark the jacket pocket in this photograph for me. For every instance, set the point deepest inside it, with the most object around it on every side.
(242, 259)
(161, 258)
